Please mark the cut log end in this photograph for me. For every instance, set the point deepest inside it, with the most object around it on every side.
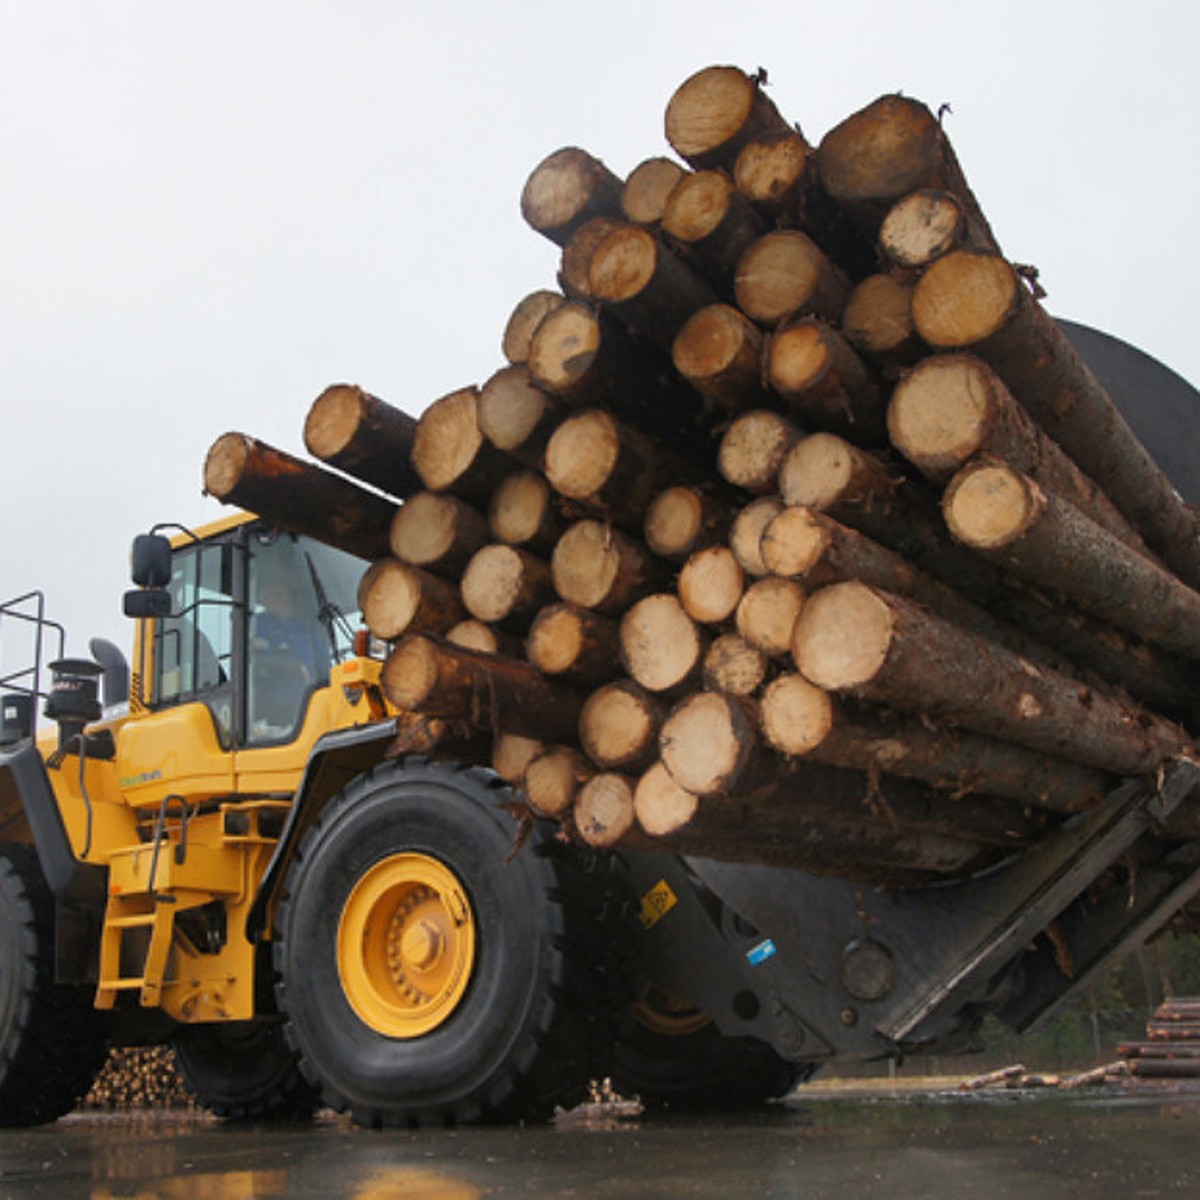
(797, 356)
(843, 636)
(225, 463)
(779, 275)
(920, 228)
(734, 666)
(745, 538)
(661, 805)
(820, 469)
(564, 347)
(644, 197)
(518, 512)
(711, 584)
(753, 447)
(794, 542)
(553, 778)
(524, 320)
(511, 408)
(989, 505)
(697, 205)
(604, 811)
(661, 646)
(622, 264)
(504, 582)
(565, 189)
(767, 614)
(447, 439)
(396, 598)
(674, 521)
(767, 170)
(938, 414)
(412, 673)
(963, 298)
(705, 742)
(582, 453)
(878, 316)
(709, 110)
(473, 634)
(618, 725)
(512, 754)
(333, 420)
(796, 715)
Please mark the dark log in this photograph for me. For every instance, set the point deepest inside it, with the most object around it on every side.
(566, 189)
(522, 513)
(753, 447)
(516, 415)
(713, 223)
(506, 585)
(786, 274)
(619, 724)
(297, 495)
(395, 598)
(596, 566)
(719, 352)
(364, 436)
(523, 323)
(438, 532)
(647, 187)
(576, 643)
(661, 646)
(451, 454)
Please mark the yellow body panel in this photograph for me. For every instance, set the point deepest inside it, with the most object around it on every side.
(172, 752)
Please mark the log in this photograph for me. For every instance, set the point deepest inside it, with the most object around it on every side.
(662, 648)
(297, 495)
(775, 173)
(954, 407)
(516, 415)
(719, 352)
(745, 537)
(523, 322)
(978, 302)
(506, 585)
(576, 258)
(714, 112)
(395, 598)
(713, 223)
(683, 519)
(451, 454)
(877, 321)
(824, 382)
(641, 280)
(512, 754)
(619, 724)
(767, 614)
(438, 532)
(660, 804)
(576, 643)
(785, 274)
(490, 693)
(566, 189)
(522, 513)
(884, 151)
(857, 639)
(733, 665)
(926, 225)
(603, 814)
(801, 720)
(553, 778)
(709, 743)
(647, 187)
(753, 447)
(478, 635)
(597, 566)
(710, 585)
(364, 436)
(1051, 544)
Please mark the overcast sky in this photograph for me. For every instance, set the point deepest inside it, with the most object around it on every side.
(209, 211)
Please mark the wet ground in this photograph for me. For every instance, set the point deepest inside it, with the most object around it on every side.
(1113, 1144)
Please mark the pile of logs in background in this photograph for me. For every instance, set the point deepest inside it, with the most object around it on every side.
(792, 531)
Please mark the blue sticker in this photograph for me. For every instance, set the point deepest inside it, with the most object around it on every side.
(757, 955)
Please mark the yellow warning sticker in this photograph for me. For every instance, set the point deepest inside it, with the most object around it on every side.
(656, 903)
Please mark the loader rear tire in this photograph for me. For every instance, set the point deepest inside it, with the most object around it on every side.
(428, 974)
(51, 1045)
(244, 1071)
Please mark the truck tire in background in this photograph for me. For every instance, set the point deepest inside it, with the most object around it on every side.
(429, 973)
(51, 1047)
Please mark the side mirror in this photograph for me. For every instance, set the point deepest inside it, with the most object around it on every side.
(150, 560)
(147, 602)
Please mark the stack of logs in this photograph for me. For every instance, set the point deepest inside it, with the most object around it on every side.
(1172, 1046)
(781, 535)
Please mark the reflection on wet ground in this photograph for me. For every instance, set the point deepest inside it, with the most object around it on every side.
(1126, 1144)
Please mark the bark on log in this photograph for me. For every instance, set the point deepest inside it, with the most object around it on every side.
(864, 641)
(516, 415)
(566, 189)
(438, 532)
(506, 585)
(713, 222)
(710, 585)
(714, 112)
(576, 643)
(954, 407)
(619, 725)
(661, 646)
(745, 537)
(709, 743)
(753, 447)
(395, 598)
(512, 754)
(552, 780)
(451, 454)
(297, 495)
(1051, 544)
(877, 321)
(719, 352)
(734, 666)
(926, 225)
(767, 613)
(576, 257)
(824, 382)
(596, 566)
(786, 274)
(683, 519)
(523, 322)
(364, 436)
(651, 288)
(803, 721)
(978, 302)
(647, 187)
(490, 693)
(522, 513)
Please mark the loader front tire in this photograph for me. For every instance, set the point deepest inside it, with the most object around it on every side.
(51, 1046)
(429, 974)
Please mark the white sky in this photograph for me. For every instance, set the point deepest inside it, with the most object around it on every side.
(210, 210)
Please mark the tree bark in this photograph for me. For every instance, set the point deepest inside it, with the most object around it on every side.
(576, 258)
(967, 300)
(710, 585)
(644, 198)
(753, 447)
(719, 352)
(364, 436)
(395, 598)
(713, 222)
(785, 274)
(661, 646)
(576, 643)
(597, 566)
(516, 415)
(1051, 544)
(438, 532)
(506, 585)
(619, 724)
(745, 537)
(552, 780)
(522, 513)
(734, 666)
(523, 322)
(297, 495)
(877, 321)
(926, 225)
(767, 613)
(683, 519)
(566, 189)
(864, 641)
(715, 112)
(450, 453)
(490, 693)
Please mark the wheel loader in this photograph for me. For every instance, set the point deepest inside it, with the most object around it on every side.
(218, 844)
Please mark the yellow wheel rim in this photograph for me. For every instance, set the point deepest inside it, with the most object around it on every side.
(666, 1014)
(406, 945)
